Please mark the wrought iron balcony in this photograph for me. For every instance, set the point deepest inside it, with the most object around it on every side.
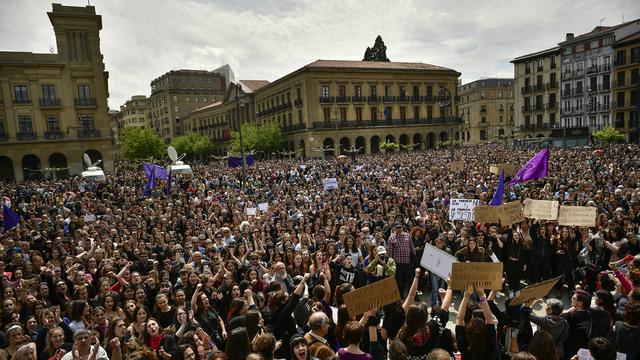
(4, 136)
(592, 69)
(416, 98)
(342, 99)
(373, 99)
(50, 103)
(358, 99)
(85, 102)
(22, 101)
(294, 128)
(26, 136)
(388, 99)
(88, 133)
(526, 89)
(552, 85)
(327, 99)
(540, 87)
(53, 135)
(402, 98)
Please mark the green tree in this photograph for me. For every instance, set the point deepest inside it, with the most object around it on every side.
(137, 144)
(267, 138)
(609, 135)
(192, 144)
(378, 52)
(388, 146)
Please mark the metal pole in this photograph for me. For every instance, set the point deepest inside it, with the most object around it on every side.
(244, 165)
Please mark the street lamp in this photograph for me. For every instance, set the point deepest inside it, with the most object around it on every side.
(240, 102)
(444, 100)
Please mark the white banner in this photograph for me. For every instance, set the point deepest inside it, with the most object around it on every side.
(263, 207)
(251, 211)
(462, 209)
(330, 183)
(437, 261)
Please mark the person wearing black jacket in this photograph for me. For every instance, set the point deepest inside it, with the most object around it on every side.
(543, 248)
(282, 306)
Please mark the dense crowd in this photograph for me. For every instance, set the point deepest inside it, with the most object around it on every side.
(100, 271)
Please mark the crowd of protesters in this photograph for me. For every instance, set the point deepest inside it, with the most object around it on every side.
(100, 271)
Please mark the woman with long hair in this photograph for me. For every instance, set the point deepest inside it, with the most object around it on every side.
(515, 250)
(238, 344)
(111, 309)
(156, 342)
(129, 308)
(117, 329)
(16, 339)
(471, 252)
(477, 338)
(54, 345)
(140, 316)
(349, 246)
(207, 317)
(297, 267)
(80, 315)
(299, 348)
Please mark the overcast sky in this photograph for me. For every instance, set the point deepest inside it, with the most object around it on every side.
(266, 39)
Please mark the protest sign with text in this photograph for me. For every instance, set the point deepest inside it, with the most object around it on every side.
(383, 292)
(330, 183)
(486, 214)
(437, 261)
(511, 213)
(456, 166)
(577, 216)
(541, 209)
(462, 209)
(489, 275)
(509, 169)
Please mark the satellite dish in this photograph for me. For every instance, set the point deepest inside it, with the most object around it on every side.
(173, 154)
(87, 159)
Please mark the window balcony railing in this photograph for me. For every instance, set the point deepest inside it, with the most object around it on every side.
(552, 106)
(85, 102)
(483, 110)
(4, 136)
(566, 92)
(526, 108)
(430, 98)
(57, 134)
(294, 128)
(342, 99)
(297, 102)
(88, 133)
(416, 98)
(327, 99)
(402, 98)
(526, 89)
(358, 99)
(50, 103)
(538, 107)
(22, 101)
(388, 99)
(552, 85)
(592, 69)
(341, 124)
(373, 99)
(604, 68)
(26, 136)
(540, 87)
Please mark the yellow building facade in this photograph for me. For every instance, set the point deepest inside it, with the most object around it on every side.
(53, 107)
(486, 108)
(537, 93)
(332, 107)
(626, 86)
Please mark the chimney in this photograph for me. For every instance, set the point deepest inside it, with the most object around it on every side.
(569, 36)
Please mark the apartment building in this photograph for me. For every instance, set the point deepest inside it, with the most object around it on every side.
(53, 107)
(626, 86)
(486, 108)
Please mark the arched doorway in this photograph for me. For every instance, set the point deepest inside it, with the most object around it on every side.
(431, 140)
(375, 144)
(302, 149)
(6, 169)
(31, 167)
(360, 144)
(329, 147)
(404, 142)
(95, 155)
(58, 161)
(417, 141)
(345, 145)
(444, 137)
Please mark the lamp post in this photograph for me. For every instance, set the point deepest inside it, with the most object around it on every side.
(240, 103)
(444, 100)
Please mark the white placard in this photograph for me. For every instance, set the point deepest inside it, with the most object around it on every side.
(89, 218)
(437, 261)
(462, 209)
(330, 183)
(585, 354)
(263, 207)
(251, 211)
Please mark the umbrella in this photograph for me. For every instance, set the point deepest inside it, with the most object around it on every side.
(341, 158)
(597, 152)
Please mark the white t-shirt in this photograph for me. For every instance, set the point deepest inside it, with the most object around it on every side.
(102, 355)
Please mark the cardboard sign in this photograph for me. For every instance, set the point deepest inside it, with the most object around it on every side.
(250, 211)
(384, 292)
(541, 209)
(535, 291)
(456, 166)
(577, 216)
(511, 213)
(263, 207)
(330, 183)
(509, 169)
(489, 275)
(437, 261)
(462, 209)
(486, 214)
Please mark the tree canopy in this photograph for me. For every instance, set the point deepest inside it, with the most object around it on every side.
(267, 138)
(192, 144)
(138, 144)
(378, 52)
(609, 135)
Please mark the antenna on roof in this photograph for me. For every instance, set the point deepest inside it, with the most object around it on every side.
(601, 20)
(622, 18)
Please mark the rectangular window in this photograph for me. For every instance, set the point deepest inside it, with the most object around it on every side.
(342, 91)
(358, 91)
(635, 55)
(387, 90)
(84, 92)
(2, 131)
(176, 109)
(429, 91)
(327, 114)
(429, 112)
(53, 123)
(175, 98)
(621, 57)
(21, 93)
(48, 92)
(298, 93)
(416, 112)
(416, 91)
(325, 91)
(25, 126)
(373, 90)
(403, 113)
(402, 91)
(300, 116)
(358, 114)
(86, 121)
(343, 113)
(374, 113)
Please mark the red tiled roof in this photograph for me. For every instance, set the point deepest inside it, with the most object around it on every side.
(373, 65)
(254, 85)
(628, 39)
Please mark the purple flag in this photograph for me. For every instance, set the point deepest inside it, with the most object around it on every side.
(151, 182)
(161, 173)
(11, 219)
(537, 167)
(497, 196)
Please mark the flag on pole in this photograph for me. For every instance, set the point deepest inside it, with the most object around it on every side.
(536, 168)
(497, 196)
(167, 190)
(11, 219)
(151, 182)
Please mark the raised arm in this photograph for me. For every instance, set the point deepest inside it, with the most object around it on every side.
(412, 292)
(194, 298)
(462, 310)
(448, 295)
(488, 315)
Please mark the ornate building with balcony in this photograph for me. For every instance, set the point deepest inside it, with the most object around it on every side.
(626, 86)
(53, 107)
(331, 107)
(176, 94)
(217, 120)
(537, 93)
(587, 75)
(486, 108)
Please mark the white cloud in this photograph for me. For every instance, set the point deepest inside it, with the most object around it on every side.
(266, 39)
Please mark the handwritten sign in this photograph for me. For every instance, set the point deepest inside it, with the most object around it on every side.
(509, 169)
(437, 261)
(462, 209)
(577, 216)
(486, 214)
(330, 183)
(250, 211)
(384, 292)
(456, 166)
(534, 291)
(489, 275)
(541, 209)
(263, 207)
(511, 213)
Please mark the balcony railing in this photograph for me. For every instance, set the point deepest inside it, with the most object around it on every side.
(416, 98)
(592, 88)
(297, 102)
(527, 108)
(50, 103)
(86, 102)
(539, 87)
(53, 135)
(604, 68)
(566, 111)
(385, 122)
(4, 136)
(567, 75)
(578, 91)
(294, 128)
(592, 69)
(373, 99)
(327, 99)
(430, 98)
(26, 136)
(88, 133)
(552, 85)
(552, 106)
(342, 99)
(566, 92)
(526, 89)
(402, 98)
(534, 126)
(22, 101)
(538, 107)
(388, 99)
(483, 110)
(358, 99)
